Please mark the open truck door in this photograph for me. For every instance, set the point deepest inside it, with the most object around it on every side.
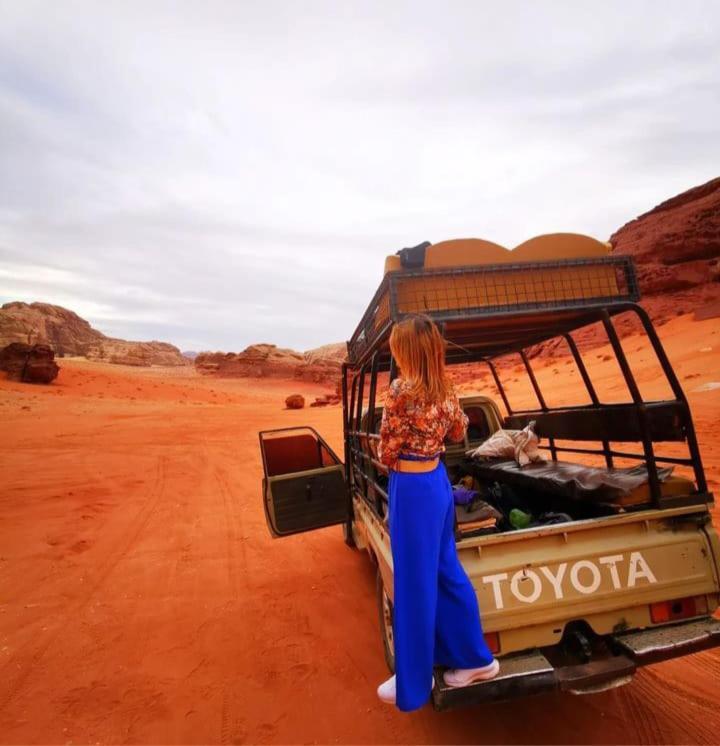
(304, 482)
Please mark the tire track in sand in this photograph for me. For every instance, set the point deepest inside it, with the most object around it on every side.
(683, 706)
(636, 711)
(113, 558)
(236, 567)
(231, 534)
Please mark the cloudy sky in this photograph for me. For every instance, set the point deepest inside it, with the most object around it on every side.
(214, 174)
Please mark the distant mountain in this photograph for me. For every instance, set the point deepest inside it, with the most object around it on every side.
(190, 354)
(321, 365)
(70, 335)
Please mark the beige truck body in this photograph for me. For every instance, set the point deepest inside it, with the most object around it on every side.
(605, 572)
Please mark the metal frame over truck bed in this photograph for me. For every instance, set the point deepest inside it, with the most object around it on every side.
(486, 312)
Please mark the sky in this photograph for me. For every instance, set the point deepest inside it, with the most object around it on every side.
(215, 174)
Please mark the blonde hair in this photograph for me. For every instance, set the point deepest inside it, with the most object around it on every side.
(419, 350)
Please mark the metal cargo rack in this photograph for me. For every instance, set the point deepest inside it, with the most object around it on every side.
(488, 311)
(474, 292)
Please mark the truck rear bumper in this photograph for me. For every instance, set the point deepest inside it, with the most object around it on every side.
(530, 672)
(670, 641)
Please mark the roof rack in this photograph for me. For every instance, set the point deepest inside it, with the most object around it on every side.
(481, 292)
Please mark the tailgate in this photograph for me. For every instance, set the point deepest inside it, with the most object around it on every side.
(605, 571)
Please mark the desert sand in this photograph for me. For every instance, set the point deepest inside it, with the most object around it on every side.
(143, 601)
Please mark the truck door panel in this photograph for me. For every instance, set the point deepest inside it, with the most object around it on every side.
(304, 482)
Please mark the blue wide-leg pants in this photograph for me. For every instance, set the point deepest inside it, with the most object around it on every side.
(436, 619)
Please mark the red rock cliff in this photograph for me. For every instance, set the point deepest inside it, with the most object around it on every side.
(68, 334)
(676, 245)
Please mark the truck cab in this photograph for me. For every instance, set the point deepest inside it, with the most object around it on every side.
(626, 572)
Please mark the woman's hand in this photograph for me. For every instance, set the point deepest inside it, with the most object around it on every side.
(458, 420)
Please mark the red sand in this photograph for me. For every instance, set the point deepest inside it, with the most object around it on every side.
(142, 600)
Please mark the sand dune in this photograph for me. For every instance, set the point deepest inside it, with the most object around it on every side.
(142, 600)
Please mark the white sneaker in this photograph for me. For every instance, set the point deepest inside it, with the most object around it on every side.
(458, 677)
(387, 691)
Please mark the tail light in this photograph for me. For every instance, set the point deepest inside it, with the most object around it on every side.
(493, 642)
(680, 608)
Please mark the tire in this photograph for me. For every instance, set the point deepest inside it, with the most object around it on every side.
(348, 535)
(385, 617)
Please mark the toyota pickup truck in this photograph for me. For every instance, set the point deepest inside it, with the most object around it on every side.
(625, 573)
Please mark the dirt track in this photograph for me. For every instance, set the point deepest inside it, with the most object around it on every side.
(142, 600)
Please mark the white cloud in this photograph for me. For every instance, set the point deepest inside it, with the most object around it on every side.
(221, 173)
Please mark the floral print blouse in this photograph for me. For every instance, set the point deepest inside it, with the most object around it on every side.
(416, 428)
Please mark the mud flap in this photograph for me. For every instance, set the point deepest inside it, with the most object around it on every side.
(595, 676)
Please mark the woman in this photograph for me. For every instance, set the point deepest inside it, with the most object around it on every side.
(436, 620)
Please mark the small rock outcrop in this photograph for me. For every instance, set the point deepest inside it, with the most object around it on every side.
(257, 361)
(69, 335)
(142, 354)
(269, 361)
(324, 401)
(29, 363)
(295, 401)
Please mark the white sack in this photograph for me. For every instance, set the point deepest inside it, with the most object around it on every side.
(522, 445)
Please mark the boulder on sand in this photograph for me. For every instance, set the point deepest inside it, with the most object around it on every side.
(295, 401)
(29, 363)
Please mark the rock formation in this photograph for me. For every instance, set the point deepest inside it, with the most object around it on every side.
(676, 247)
(335, 352)
(269, 361)
(143, 354)
(326, 400)
(58, 327)
(69, 335)
(29, 363)
(258, 360)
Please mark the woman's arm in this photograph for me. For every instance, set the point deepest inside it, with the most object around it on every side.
(390, 428)
(458, 420)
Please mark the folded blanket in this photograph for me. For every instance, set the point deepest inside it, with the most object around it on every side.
(567, 479)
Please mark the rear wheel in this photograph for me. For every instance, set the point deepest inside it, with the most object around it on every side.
(385, 611)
